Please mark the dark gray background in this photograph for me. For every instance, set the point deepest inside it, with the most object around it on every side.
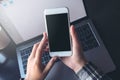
(105, 15)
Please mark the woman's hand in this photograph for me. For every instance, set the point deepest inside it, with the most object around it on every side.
(35, 69)
(77, 60)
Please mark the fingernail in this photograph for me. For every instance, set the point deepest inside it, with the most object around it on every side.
(43, 36)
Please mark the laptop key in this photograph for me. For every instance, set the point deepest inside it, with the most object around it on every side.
(86, 36)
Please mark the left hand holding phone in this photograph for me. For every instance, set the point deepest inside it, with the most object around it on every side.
(35, 69)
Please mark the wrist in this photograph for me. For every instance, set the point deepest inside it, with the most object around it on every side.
(81, 64)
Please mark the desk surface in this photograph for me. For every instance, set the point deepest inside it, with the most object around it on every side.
(105, 15)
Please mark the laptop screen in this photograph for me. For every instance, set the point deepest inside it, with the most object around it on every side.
(23, 19)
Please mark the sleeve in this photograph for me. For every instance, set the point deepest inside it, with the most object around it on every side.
(90, 72)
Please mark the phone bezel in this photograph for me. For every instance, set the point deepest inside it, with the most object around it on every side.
(58, 11)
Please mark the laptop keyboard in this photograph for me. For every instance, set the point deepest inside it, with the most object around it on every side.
(86, 37)
(25, 54)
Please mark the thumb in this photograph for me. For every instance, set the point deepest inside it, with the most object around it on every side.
(74, 35)
(49, 66)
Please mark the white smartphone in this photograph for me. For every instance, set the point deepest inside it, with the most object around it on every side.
(57, 26)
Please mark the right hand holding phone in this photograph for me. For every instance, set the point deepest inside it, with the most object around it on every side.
(77, 60)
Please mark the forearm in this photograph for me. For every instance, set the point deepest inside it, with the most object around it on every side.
(89, 72)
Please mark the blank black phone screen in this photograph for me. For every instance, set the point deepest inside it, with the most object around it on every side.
(58, 32)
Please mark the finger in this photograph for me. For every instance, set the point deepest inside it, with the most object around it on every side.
(74, 35)
(49, 66)
(46, 44)
(76, 43)
(39, 50)
(34, 50)
(46, 49)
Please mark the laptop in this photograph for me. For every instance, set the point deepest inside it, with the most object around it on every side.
(23, 20)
